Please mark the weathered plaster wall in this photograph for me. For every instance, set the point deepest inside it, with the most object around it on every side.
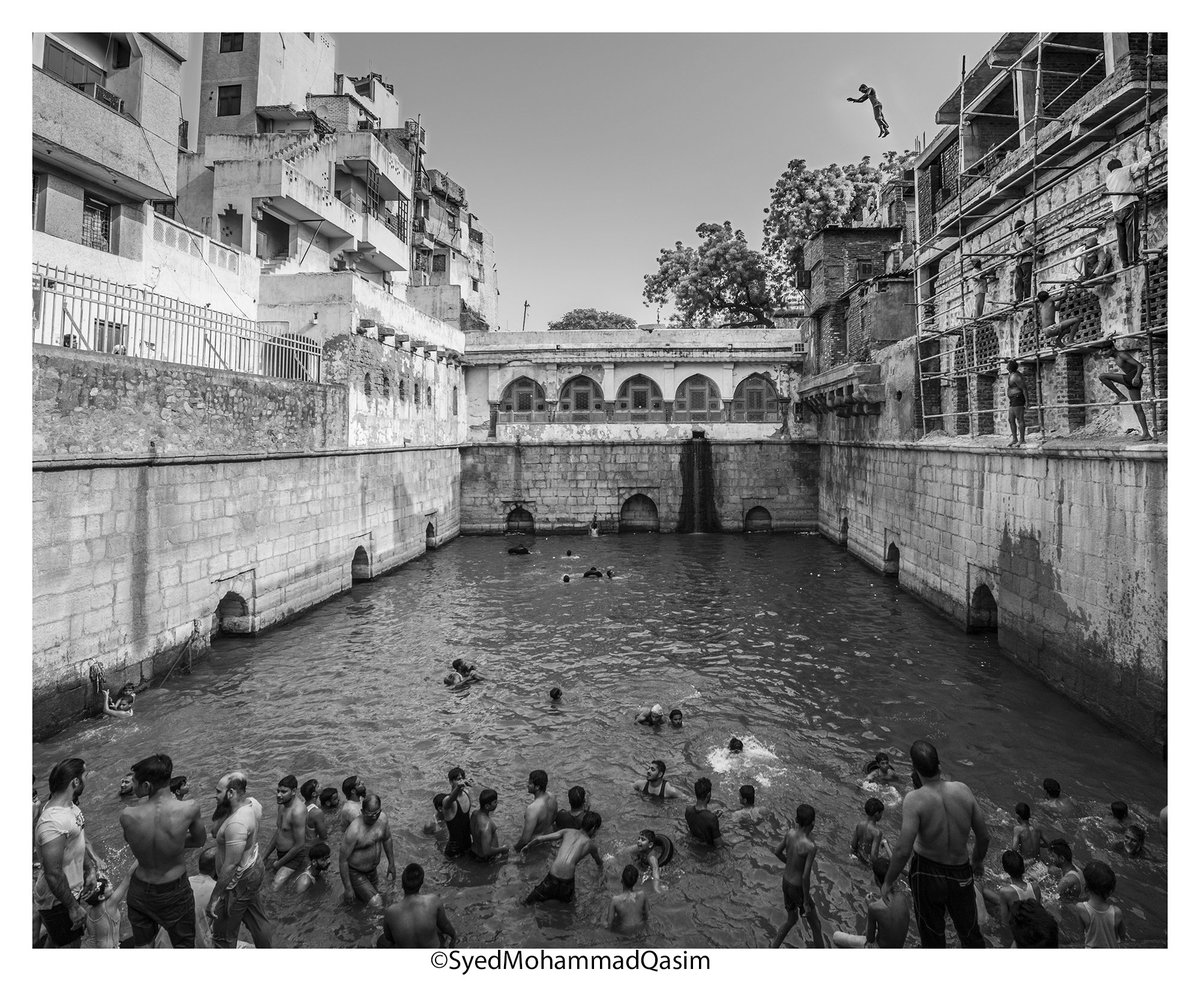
(1071, 543)
(129, 562)
(563, 484)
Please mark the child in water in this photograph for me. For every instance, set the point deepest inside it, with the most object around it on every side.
(1103, 924)
(880, 770)
(628, 910)
(887, 918)
(868, 838)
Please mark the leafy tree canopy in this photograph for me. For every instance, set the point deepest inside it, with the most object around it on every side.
(723, 281)
(590, 319)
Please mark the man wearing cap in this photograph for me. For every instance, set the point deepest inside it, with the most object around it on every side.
(652, 716)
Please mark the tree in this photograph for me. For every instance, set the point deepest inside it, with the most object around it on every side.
(590, 319)
(722, 281)
(804, 201)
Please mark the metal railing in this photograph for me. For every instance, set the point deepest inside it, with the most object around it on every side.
(84, 313)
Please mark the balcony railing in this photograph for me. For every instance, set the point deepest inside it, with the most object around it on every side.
(84, 313)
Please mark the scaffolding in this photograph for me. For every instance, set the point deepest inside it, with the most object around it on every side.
(952, 350)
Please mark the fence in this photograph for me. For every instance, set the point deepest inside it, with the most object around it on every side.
(82, 312)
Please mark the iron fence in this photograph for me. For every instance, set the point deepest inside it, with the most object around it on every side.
(82, 312)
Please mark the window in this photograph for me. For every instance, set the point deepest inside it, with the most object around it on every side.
(97, 223)
(698, 395)
(70, 67)
(231, 42)
(108, 337)
(229, 100)
(36, 184)
(523, 395)
(400, 392)
(367, 385)
(439, 262)
(165, 208)
(581, 395)
(428, 397)
(865, 269)
(639, 394)
(475, 284)
(385, 386)
(755, 400)
(454, 400)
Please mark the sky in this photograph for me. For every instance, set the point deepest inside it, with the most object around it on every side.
(585, 154)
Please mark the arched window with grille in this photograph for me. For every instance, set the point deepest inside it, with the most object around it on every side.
(639, 396)
(579, 398)
(698, 399)
(756, 400)
(523, 395)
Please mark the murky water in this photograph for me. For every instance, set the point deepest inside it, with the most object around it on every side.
(812, 659)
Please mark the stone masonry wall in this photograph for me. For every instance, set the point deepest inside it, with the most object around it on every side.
(1072, 544)
(131, 562)
(563, 484)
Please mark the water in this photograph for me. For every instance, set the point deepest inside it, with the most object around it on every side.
(813, 660)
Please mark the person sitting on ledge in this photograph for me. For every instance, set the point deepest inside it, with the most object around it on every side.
(1057, 332)
(593, 573)
(122, 706)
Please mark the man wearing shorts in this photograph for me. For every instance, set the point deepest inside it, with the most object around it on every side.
(939, 816)
(1129, 375)
(1016, 404)
(576, 844)
(367, 836)
(289, 843)
(159, 830)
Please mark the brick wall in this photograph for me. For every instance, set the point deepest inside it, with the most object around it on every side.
(1071, 543)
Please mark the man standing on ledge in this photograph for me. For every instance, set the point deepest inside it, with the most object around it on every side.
(938, 818)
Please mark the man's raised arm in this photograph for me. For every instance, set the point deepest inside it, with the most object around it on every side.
(909, 827)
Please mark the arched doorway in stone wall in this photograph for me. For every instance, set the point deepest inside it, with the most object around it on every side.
(430, 536)
(360, 565)
(758, 519)
(232, 615)
(519, 522)
(982, 615)
(639, 513)
(891, 561)
(844, 531)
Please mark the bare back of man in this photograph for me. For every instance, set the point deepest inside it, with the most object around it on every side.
(158, 831)
(576, 845)
(890, 917)
(415, 921)
(628, 911)
(539, 817)
(945, 810)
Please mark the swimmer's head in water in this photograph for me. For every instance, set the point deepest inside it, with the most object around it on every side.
(879, 869)
(656, 770)
(566, 578)
(805, 816)
(569, 552)
(319, 856)
(350, 787)
(371, 809)
(329, 797)
(452, 678)
(735, 745)
(873, 807)
(179, 787)
(703, 788)
(575, 797)
(676, 718)
(589, 824)
(746, 793)
(412, 878)
(1013, 863)
(1050, 785)
(1120, 810)
(646, 840)
(537, 781)
(1099, 879)
(488, 799)
(308, 790)
(1135, 840)
(924, 758)
(555, 694)
(1022, 811)
(457, 774)
(126, 787)
(286, 789)
(1060, 852)
(630, 876)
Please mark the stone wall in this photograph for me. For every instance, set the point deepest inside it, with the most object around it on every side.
(1071, 544)
(563, 484)
(130, 563)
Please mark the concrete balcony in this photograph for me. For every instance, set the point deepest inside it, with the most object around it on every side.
(358, 151)
(291, 194)
(86, 137)
(387, 252)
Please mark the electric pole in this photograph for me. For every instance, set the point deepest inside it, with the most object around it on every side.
(524, 314)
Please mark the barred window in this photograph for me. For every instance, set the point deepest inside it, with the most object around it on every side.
(97, 224)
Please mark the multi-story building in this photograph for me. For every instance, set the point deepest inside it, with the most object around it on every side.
(1028, 137)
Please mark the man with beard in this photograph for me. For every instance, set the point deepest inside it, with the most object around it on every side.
(158, 832)
(126, 788)
(240, 872)
(354, 790)
(68, 869)
(539, 815)
(359, 858)
(288, 843)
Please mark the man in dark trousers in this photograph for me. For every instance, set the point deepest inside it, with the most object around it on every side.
(876, 105)
(1016, 404)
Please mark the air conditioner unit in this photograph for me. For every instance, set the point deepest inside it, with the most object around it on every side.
(101, 94)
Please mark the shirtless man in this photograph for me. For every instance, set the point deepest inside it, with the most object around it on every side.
(126, 787)
(359, 859)
(798, 853)
(577, 801)
(315, 828)
(1027, 839)
(655, 784)
(887, 919)
(240, 872)
(416, 921)
(1016, 403)
(158, 832)
(938, 817)
(485, 839)
(876, 106)
(354, 790)
(628, 910)
(288, 842)
(652, 716)
(1129, 375)
(1053, 329)
(560, 880)
(539, 815)
(703, 823)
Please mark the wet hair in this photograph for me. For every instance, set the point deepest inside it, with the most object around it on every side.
(437, 801)
(1115, 164)
(1138, 832)
(735, 745)
(805, 815)
(879, 868)
(487, 796)
(1019, 224)
(1120, 810)
(1033, 925)
(538, 778)
(925, 758)
(630, 876)
(746, 792)
(1013, 863)
(1043, 295)
(457, 773)
(876, 762)
(703, 788)
(1050, 785)
(569, 552)
(977, 264)
(348, 785)
(308, 789)
(319, 850)
(177, 784)
(326, 795)
(412, 878)
(675, 712)
(289, 781)
(590, 823)
(556, 693)
(208, 862)
(1060, 848)
(154, 770)
(100, 893)
(873, 807)
(660, 766)
(1022, 811)
(1012, 366)
(1099, 879)
(566, 578)
(576, 796)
